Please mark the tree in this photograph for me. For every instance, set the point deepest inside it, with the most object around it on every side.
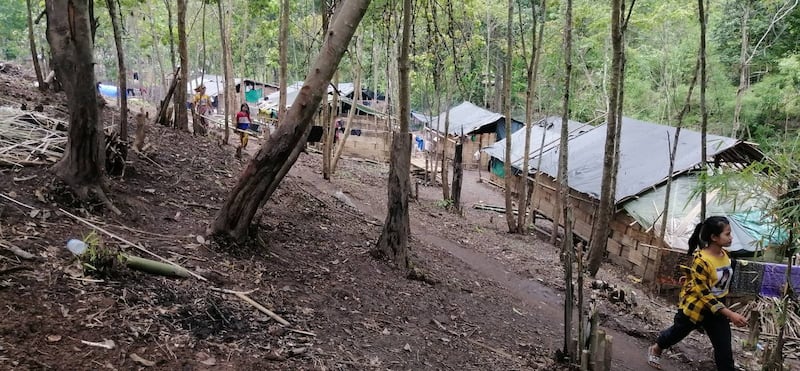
(179, 101)
(273, 160)
(393, 242)
(283, 45)
(509, 176)
(34, 53)
(607, 193)
(70, 37)
(226, 69)
(567, 251)
(703, 112)
(532, 76)
(114, 11)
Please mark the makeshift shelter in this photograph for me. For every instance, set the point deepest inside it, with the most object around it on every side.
(254, 91)
(544, 136)
(480, 127)
(644, 166)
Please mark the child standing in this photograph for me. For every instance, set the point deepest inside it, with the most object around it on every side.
(706, 284)
(243, 122)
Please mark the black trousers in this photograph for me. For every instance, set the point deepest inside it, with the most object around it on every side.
(716, 326)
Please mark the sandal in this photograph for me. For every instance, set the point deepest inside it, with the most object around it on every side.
(653, 360)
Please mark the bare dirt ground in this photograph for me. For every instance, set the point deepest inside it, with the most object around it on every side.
(494, 301)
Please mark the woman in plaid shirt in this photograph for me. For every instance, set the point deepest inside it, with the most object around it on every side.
(706, 284)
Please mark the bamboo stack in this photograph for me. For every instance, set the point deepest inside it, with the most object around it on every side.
(767, 311)
(30, 138)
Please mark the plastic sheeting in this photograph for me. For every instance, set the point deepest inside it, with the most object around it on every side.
(549, 127)
(644, 157)
(750, 227)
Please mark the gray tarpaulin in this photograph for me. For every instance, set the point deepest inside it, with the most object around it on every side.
(550, 127)
(644, 157)
(466, 118)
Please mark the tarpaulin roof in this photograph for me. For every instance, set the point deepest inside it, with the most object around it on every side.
(643, 161)
(549, 127)
(750, 227)
(215, 84)
(465, 118)
(292, 90)
(421, 117)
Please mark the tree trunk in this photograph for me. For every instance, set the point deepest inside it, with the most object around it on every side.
(445, 138)
(744, 70)
(123, 83)
(393, 243)
(34, 53)
(274, 159)
(458, 175)
(330, 130)
(181, 119)
(283, 45)
(168, 5)
(226, 51)
(530, 93)
(567, 250)
(509, 176)
(356, 98)
(69, 36)
(703, 111)
(607, 193)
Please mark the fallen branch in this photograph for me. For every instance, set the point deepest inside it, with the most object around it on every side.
(17, 202)
(137, 246)
(17, 251)
(302, 332)
(243, 295)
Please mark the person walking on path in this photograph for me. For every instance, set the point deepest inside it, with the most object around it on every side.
(706, 284)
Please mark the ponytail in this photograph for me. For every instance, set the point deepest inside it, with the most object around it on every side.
(713, 226)
(694, 240)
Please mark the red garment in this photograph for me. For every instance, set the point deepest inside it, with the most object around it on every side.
(243, 120)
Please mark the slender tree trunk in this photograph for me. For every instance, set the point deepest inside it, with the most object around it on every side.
(533, 69)
(34, 53)
(509, 175)
(181, 119)
(744, 70)
(69, 35)
(226, 52)
(330, 130)
(265, 171)
(123, 79)
(668, 188)
(356, 62)
(283, 45)
(607, 194)
(445, 139)
(393, 243)
(567, 250)
(703, 111)
(458, 175)
(168, 5)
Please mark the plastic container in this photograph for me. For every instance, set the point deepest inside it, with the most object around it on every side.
(76, 247)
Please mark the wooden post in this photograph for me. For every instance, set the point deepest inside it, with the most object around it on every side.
(458, 174)
(755, 330)
(161, 117)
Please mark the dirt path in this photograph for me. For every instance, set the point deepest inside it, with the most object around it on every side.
(534, 296)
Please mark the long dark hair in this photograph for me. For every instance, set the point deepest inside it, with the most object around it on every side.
(244, 106)
(713, 226)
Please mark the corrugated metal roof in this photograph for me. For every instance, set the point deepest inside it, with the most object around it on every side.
(644, 157)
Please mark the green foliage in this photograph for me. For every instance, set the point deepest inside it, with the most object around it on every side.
(444, 204)
(14, 30)
(99, 260)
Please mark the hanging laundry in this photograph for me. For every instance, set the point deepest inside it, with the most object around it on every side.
(775, 277)
(356, 132)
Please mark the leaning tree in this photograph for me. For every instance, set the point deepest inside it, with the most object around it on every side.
(69, 33)
(274, 159)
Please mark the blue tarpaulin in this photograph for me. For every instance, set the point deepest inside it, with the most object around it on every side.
(110, 91)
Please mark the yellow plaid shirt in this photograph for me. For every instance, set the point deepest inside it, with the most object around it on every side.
(704, 288)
